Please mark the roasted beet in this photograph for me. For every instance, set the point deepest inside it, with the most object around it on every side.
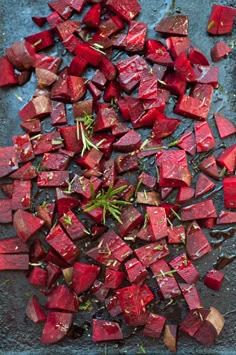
(104, 330)
(221, 20)
(63, 299)
(84, 276)
(26, 224)
(56, 327)
(173, 25)
(35, 311)
(214, 279)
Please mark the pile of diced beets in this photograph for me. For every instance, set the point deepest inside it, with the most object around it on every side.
(124, 259)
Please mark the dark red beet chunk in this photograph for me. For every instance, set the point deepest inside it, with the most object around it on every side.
(136, 36)
(214, 279)
(72, 225)
(127, 9)
(104, 330)
(187, 142)
(221, 20)
(26, 224)
(5, 211)
(128, 142)
(136, 271)
(158, 222)
(8, 76)
(25, 172)
(229, 184)
(192, 107)
(46, 213)
(56, 327)
(178, 45)
(154, 325)
(209, 167)
(84, 276)
(173, 25)
(14, 261)
(47, 142)
(219, 51)
(227, 159)
(38, 276)
(53, 178)
(21, 197)
(35, 311)
(225, 126)
(13, 246)
(185, 194)
(191, 296)
(113, 305)
(185, 268)
(63, 299)
(131, 218)
(176, 234)
(150, 253)
(99, 290)
(203, 185)
(200, 210)
(114, 278)
(156, 52)
(226, 217)
(8, 161)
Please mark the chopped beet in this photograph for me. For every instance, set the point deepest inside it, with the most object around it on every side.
(62, 298)
(132, 305)
(128, 142)
(175, 83)
(148, 180)
(52, 178)
(99, 290)
(114, 278)
(37, 251)
(108, 173)
(127, 9)
(38, 276)
(214, 279)
(219, 51)
(9, 77)
(84, 276)
(165, 279)
(131, 218)
(47, 142)
(32, 126)
(204, 138)
(52, 161)
(197, 244)
(13, 246)
(41, 40)
(191, 296)
(21, 55)
(69, 135)
(35, 311)
(176, 234)
(173, 25)
(185, 268)
(87, 53)
(183, 67)
(148, 85)
(128, 191)
(136, 271)
(150, 253)
(158, 222)
(200, 210)
(154, 325)
(14, 261)
(221, 20)
(25, 172)
(229, 192)
(227, 159)
(185, 194)
(113, 305)
(192, 107)
(104, 330)
(46, 213)
(136, 36)
(26, 224)
(178, 45)
(126, 162)
(5, 211)
(157, 53)
(203, 185)
(187, 142)
(53, 273)
(207, 74)
(111, 26)
(195, 56)
(226, 217)
(45, 77)
(52, 333)
(77, 5)
(39, 107)
(106, 118)
(72, 225)
(209, 167)
(8, 161)
(61, 7)
(225, 126)
(194, 320)
(164, 126)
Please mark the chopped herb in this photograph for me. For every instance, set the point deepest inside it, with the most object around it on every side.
(141, 349)
(138, 186)
(174, 143)
(175, 214)
(67, 220)
(86, 306)
(4, 283)
(57, 141)
(166, 273)
(210, 25)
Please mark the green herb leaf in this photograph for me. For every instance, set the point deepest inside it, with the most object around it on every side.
(210, 25)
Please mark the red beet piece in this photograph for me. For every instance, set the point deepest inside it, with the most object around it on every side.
(227, 159)
(203, 185)
(7, 189)
(21, 197)
(95, 92)
(195, 56)
(54, 258)
(193, 321)
(219, 51)
(185, 268)
(156, 52)
(99, 79)
(89, 54)
(130, 71)
(214, 279)
(104, 330)
(13, 245)
(92, 18)
(108, 68)
(66, 29)
(21, 55)
(174, 174)
(108, 173)
(147, 294)
(173, 25)
(84, 276)
(183, 67)
(148, 180)
(25, 172)
(229, 191)
(91, 159)
(14, 261)
(114, 278)
(38, 276)
(72, 225)
(113, 305)
(221, 20)
(61, 7)
(225, 126)
(178, 45)
(47, 62)
(126, 162)
(129, 142)
(200, 210)
(191, 296)
(62, 244)
(52, 178)
(39, 107)
(112, 91)
(26, 224)
(8, 76)
(77, 5)
(37, 251)
(23, 77)
(136, 36)
(46, 213)
(209, 167)
(204, 138)
(52, 161)
(111, 26)
(51, 331)
(32, 126)
(192, 107)
(106, 118)
(207, 74)
(197, 244)
(130, 107)
(47, 142)
(8, 161)
(137, 273)
(164, 126)
(165, 191)
(5, 211)
(23, 148)
(99, 290)
(69, 135)
(165, 279)
(148, 85)
(35, 311)
(185, 194)
(175, 83)
(53, 274)
(149, 254)
(126, 9)
(41, 40)
(131, 218)
(128, 191)
(226, 217)
(176, 234)
(77, 66)
(154, 325)
(132, 305)
(158, 222)
(82, 186)
(58, 114)
(63, 299)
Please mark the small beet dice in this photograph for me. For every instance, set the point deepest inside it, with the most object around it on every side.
(61, 7)
(35, 311)
(165, 279)
(25, 172)
(82, 186)
(128, 143)
(8, 160)
(21, 55)
(26, 224)
(227, 158)
(156, 52)
(38, 276)
(185, 268)
(84, 276)
(114, 278)
(106, 118)
(104, 330)
(226, 217)
(221, 20)
(63, 299)
(32, 126)
(207, 74)
(203, 185)
(99, 290)
(191, 296)
(148, 85)
(91, 159)
(195, 56)
(53, 178)
(131, 218)
(58, 114)
(219, 51)
(177, 45)
(174, 174)
(200, 210)
(136, 271)
(52, 333)
(53, 274)
(127, 9)
(176, 234)
(37, 251)
(136, 36)
(175, 83)
(5, 211)
(111, 26)
(87, 53)
(47, 142)
(225, 126)
(69, 135)
(173, 25)
(183, 67)
(209, 167)
(53, 161)
(126, 162)
(113, 305)
(8, 76)
(21, 197)
(108, 173)
(128, 191)
(150, 253)
(13, 246)
(192, 107)
(72, 225)
(154, 325)
(148, 180)
(62, 244)
(46, 213)
(14, 262)
(204, 138)
(158, 223)
(164, 126)
(214, 279)
(39, 107)
(132, 305)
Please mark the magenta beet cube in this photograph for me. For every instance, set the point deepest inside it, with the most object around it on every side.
(33, 126)
(38, 276)
(126, 9)
(224, 125)
(154, 325)
(26, 224)
(132, 305)
(61, 7)
(114, 278)
(84, 276)
(128, 142)
(39, 107)
(61, 298)
(173, 25)
(226, 217)
(183, 67)
(23, 148)
(157, 221)
(187, 142)
(191, 296)
(51, 332)
(14, 261)
(126, 162)
(53, 178)
(137, 273)
(25, 172)
(46, 213)
(35, 311)
(214, 279)
(55, 161)
(192, 107)
(197, 244)
(176, 234)
(221, 20)
(62, 244)
(81, 185)
(209, 167)
(193, 321)
(21, 197)
(8, 161)
(99, 290)
(200, 210)
(37, 251)
(47, 142)
(177, 45)
(72, 225)
(219, 51)
(227, 158)
(9, 77)
(229, 184)
(131, 218)
(135, 39)
(5, 211)
(147, 294)
(65, 201)
(204, 138)
(165, 279)
(157, 52)
(203, 185)
(149, 254)
(13, 246)
(185, 268)
(113, 305)
(53, 274)
(104, 330)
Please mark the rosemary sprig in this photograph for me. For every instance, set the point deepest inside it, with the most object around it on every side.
(107, 200)
(166, 273)
(67, 219)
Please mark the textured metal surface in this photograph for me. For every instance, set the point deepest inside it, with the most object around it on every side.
(17, 333)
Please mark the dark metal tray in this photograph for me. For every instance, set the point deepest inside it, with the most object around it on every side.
(17, 333)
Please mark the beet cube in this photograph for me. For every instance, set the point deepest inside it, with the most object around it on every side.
(21, 197)
(214, 279)
(14, 261)
(84, 276)
(219, 51)
(104, 330)
(72, 225)
(38, 276)
(61, 7)
(131, 218)
(13, 245)
(136, 36)
(192, 107)
(51, 331)
(8, 76)
(99, 290)
(154, 325)
(8, 161)
(229, 184)
(209, 167)
(26, 224)
(173, 25)
(152, 252)
(127, 9)
(25, 172)
(5, 211)
(158, 223)
(63, 299)
(200, 210)
(39, 107)
(203, 185)
(137, 273)
(113, 305)
(128, 142)
(225, 126)
(221, 20)
(191, 296)
(47, 142)
(227, 159)
(53, 178)
(35, 311)
(114, 278)
(185, 268)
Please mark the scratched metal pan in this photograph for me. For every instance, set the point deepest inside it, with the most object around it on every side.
(17, 333)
